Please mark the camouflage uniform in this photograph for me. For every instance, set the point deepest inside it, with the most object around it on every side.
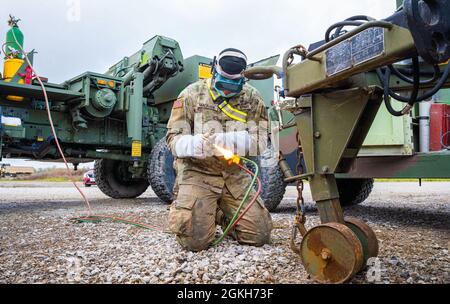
(210, 190)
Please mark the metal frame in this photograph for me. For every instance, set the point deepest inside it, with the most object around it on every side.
(420, 166)
(327, 148)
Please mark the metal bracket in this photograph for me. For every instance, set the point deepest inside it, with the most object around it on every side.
(298, 177)
(332, 131)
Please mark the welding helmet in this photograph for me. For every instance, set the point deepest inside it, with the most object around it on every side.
(228, 68)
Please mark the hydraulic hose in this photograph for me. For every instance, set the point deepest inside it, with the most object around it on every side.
(384, 77)
(387, 98)
(436, 75)
(339, 26)
(425, 96)
(414, 98)
(352, 21)
(415, 92)
(388, 92)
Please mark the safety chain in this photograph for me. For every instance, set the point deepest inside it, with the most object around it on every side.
(299, 50)
(300, 217)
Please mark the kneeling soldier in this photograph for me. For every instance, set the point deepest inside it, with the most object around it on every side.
(209, 189)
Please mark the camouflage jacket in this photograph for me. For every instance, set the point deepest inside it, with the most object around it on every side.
(194, 112)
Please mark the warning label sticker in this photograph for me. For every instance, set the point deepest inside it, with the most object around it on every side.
(136, 149)
(365, 46)
(204, 71)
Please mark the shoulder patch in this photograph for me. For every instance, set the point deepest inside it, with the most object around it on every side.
(178, 104)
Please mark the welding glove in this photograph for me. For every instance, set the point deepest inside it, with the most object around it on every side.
(237, 142)
(189, 146)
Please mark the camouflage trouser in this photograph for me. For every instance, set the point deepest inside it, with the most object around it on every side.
(198, 209)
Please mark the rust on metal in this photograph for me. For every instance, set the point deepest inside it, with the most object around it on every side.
(366, 236)
(332, 253)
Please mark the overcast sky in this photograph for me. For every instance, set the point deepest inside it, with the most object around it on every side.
(105, 31)
(74, 36)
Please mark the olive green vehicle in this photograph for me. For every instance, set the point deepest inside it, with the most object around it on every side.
(339, 126)
(117, 119)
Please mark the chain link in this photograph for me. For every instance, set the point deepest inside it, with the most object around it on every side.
(300, 217)
(300, 50)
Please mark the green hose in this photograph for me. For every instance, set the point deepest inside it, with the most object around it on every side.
(98, 219)
(244, 201)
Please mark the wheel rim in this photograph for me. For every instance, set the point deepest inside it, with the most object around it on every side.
(332, 253)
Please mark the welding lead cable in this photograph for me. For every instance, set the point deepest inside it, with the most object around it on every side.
(49, 114)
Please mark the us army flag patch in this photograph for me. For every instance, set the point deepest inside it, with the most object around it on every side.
(178, 104)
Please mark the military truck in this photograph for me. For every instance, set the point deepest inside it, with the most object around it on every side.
(117, 118)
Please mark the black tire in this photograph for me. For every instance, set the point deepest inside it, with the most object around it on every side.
(87, 186)
(114, 180)
(161, 173)
(162, 176)
(272, 180)
(354, 191)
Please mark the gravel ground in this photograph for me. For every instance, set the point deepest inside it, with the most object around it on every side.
(38, 243)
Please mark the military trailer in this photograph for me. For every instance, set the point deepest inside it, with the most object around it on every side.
(334, 94)
(415, 146)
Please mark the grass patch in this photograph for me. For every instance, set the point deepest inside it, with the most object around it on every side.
(410, 180)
